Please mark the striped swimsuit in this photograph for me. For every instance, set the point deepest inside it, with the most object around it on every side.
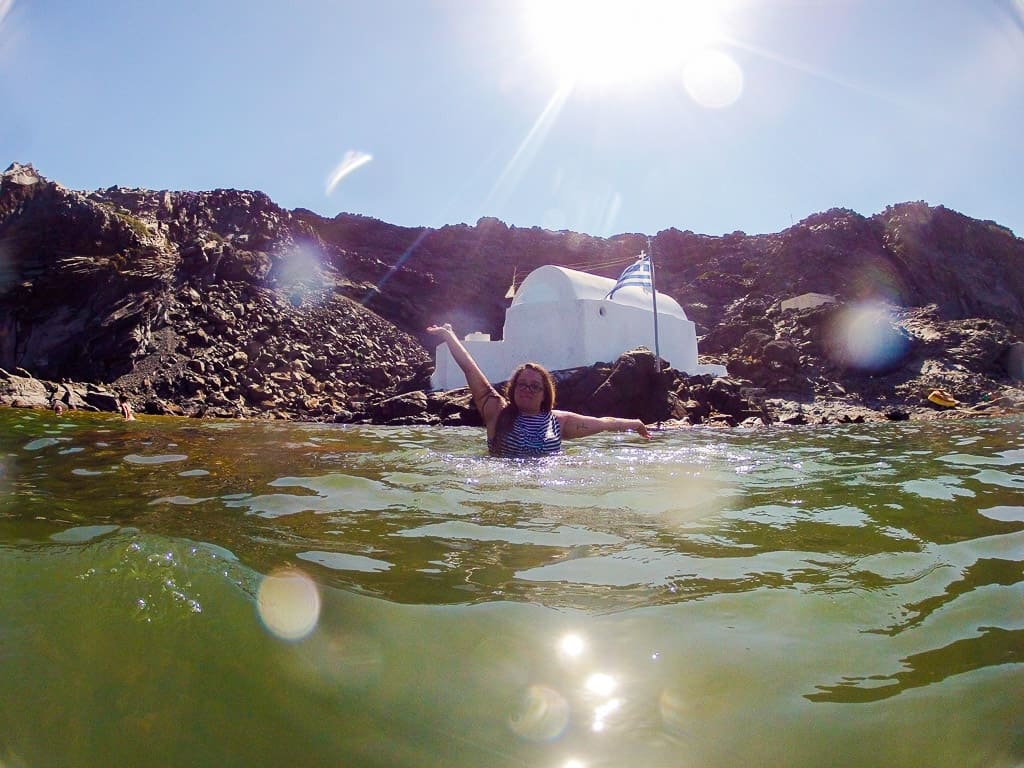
(535, 435)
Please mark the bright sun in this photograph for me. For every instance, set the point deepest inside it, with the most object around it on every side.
(601, 43)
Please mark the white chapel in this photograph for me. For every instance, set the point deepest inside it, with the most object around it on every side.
(563, 319)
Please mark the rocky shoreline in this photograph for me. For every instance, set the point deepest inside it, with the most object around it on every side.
(223, 305)
(630, 387)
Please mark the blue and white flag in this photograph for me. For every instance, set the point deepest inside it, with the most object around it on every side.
(636, 274)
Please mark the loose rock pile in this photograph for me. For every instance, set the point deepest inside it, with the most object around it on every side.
(238, 351)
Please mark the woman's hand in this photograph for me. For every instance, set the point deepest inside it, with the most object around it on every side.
(641, 429)
(441, 329)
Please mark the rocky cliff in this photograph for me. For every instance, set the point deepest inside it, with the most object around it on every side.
(222, 303)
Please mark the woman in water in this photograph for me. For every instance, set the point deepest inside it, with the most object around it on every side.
(523, 422)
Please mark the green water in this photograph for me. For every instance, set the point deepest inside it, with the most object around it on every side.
(188, 593)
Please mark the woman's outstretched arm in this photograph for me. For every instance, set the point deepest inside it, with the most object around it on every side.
(488, 402)
(577, 425)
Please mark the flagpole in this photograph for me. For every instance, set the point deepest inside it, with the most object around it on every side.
(654, 304)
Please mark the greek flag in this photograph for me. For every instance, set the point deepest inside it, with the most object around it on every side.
(636, 274)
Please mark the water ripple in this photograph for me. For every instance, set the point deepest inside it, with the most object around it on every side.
(134, 458)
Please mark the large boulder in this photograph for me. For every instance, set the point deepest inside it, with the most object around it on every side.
(23, 391)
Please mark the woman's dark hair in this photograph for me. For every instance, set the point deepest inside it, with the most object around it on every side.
(510, 411)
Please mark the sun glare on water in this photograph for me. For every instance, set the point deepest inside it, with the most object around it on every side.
(609, 44)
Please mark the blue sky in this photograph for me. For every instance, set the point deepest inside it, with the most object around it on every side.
(709, 116)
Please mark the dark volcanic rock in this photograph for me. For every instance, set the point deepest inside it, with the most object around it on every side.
(223, 304)
(210, 301)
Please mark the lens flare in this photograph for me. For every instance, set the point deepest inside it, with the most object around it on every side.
(878, 283)
(543, 714)
(1018, 8)
(864, 337)
(676, 711)
(299, 267)
(713, 79)
(352, 160)
(289, 604)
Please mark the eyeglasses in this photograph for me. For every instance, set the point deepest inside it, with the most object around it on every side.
(532, 388)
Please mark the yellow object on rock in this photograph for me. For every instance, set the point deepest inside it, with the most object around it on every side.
(943, 398)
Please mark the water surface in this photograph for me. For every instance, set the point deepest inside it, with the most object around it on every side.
(179, 592)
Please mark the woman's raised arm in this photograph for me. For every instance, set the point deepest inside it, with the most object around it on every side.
(486, 398)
